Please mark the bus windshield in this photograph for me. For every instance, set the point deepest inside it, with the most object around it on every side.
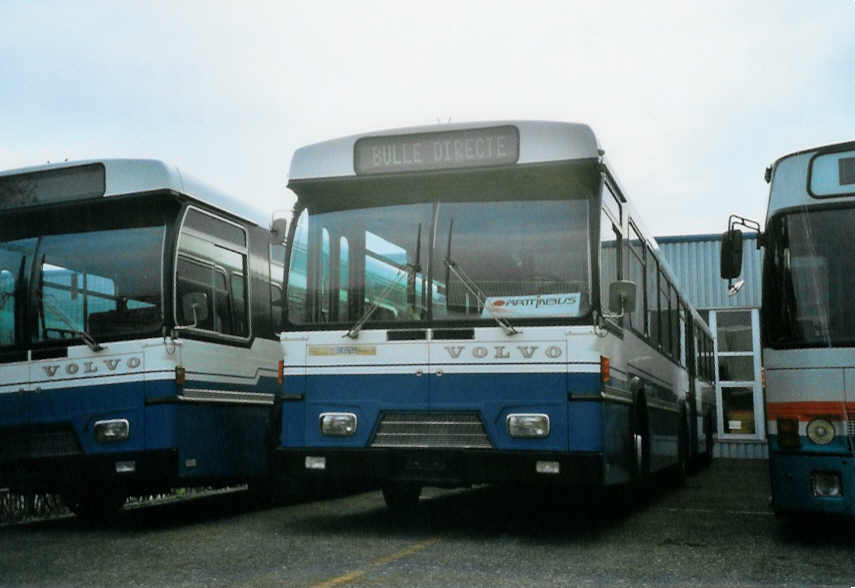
(72, 273)
(809, 279)
(442, 260)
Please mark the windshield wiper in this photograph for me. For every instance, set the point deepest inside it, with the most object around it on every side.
(479, 295)
(452, 267)
(87, 338)
(46, 303)
(409, 269)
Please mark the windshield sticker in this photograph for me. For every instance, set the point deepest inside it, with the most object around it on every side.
(532, 306)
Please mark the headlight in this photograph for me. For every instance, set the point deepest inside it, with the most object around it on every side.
(825, 484)
(112, 431)
(820, 431)
(338, 424)
(528, 426)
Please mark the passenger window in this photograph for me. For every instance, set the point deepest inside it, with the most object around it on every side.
(343, 278)
(211, 284)
(664, 313)
(277, 275)
(652, 269)
(635, 272)
(609, 258)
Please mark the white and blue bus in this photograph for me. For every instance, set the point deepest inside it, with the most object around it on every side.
(478, 303)
(138, 318)
(807, 324)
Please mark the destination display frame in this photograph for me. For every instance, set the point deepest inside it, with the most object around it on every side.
(432, 151)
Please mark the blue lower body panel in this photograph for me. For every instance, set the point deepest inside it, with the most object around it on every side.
(48, 444)
(792, 489)
(575, 440)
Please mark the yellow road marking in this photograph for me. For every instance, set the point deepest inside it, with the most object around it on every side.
(351, 576)
(763, 513)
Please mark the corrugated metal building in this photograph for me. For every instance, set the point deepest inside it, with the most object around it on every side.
(735, 322)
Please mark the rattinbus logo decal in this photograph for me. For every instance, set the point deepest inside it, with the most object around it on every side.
(532, 306)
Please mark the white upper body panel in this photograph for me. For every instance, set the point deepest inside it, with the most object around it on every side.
(129, 176)
(540, 141)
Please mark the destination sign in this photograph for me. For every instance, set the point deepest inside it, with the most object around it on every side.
(846, 169)
(435, 151)
(51, 186)
(832, 174)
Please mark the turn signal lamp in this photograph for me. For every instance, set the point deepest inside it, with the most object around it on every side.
(180, 375)
(605, 369)
(788, 434)
(280, 371)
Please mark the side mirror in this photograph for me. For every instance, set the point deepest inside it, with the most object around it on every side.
(195, 304)
(622, 296)
(278, 230)
(731, 254)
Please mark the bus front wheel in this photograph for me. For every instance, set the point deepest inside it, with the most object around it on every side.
(95, 504)
(401, 496)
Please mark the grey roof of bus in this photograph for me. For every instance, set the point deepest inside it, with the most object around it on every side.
(789, 179)
(539, 141)
(128, 176)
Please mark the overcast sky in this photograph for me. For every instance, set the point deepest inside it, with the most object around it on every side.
(690, 100)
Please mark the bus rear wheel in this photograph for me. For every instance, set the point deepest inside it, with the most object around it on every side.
(683, 462)
(401, 496)
(640, 448)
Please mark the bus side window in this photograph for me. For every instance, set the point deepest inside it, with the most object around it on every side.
(665, 313)
(211, 271)
(652, 299)
(298, 272)
(277, 275)
(634, 271)
(609, 257)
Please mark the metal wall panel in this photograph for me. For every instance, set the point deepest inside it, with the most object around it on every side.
(741, 449)
(695, 260)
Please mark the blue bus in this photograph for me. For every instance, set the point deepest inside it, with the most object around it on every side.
(479, 303)
(138, 318)
(807, 326)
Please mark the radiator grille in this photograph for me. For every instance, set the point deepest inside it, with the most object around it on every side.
(431, 430)
(31, 443)
(850, 431)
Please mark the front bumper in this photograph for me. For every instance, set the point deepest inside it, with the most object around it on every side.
(443, 468)
(792, 491)
(152, 470)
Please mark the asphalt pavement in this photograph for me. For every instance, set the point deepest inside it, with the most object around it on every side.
(715, 530)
